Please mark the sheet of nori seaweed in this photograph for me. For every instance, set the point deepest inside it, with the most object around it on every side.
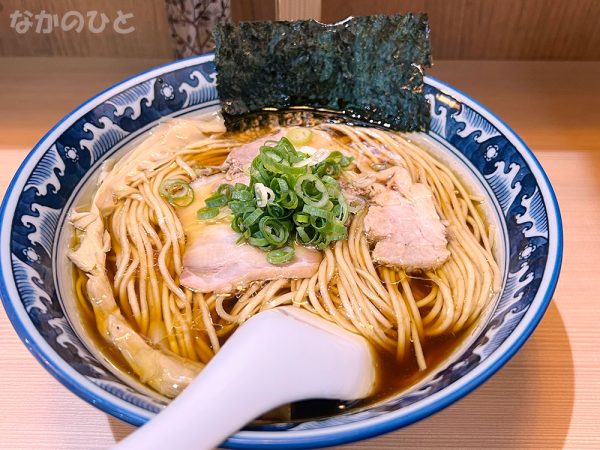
(370, 68)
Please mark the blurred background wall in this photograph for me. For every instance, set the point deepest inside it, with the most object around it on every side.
(461, 29)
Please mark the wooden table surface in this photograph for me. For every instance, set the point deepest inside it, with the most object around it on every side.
(547, 396)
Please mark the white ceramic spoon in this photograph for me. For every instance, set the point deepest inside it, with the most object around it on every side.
(277, 357)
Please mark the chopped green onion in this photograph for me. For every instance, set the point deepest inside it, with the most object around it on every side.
(289, 200)
(279, 185)
(281, 168)
(258, 242)
(337, 228)
(304, 237)
(216, 201)
(207, 213)
(301, 219)
(317, 157)
(317, 212)
(177, 192)
(237, 224)
(238, 207)
(330, 168)
(340, 211)
(346, 161)
(293, 198)
(281, 255)
(226, 190)
(263, 194)
(319, 223)
(273, 230)
(253, 217)
(311, 190)
(275, 210)
(243, 196)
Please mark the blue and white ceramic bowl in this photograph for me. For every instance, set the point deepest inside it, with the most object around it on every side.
(41, 194)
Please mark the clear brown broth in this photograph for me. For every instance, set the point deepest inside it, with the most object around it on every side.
(393, 376)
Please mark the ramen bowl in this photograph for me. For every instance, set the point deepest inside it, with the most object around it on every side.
(521, 203)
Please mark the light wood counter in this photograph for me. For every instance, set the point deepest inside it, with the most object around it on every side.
(547, 396)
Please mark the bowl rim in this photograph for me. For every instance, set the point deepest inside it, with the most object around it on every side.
(327, 436)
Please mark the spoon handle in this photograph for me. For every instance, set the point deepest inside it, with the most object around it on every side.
(277, 357)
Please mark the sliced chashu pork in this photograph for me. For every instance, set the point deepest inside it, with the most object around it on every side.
(403, 222)
(213, 261)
